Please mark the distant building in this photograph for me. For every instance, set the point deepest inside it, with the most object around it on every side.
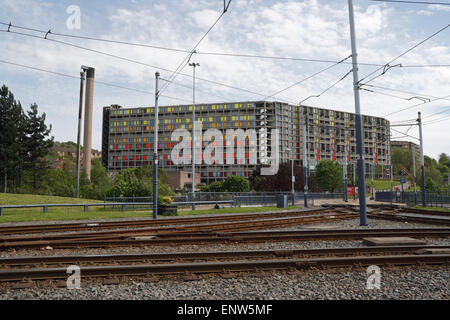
(127, 139)
(407, 145)
(182, 179)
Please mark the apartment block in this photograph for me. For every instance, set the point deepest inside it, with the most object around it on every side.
(127, 140)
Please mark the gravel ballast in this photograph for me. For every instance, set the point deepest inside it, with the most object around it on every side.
(406, 283)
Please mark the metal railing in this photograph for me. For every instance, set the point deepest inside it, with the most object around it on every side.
(432, 199)
(122, 205)
(234, 199)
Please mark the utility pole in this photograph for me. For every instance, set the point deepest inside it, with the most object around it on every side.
(155, 152)
(414, 173)
(344, 166)
(80, 112)
(372, 170)
(194, 65)
(422, 164)
(358, 122)
(292, 176)
(392, 183)
(305, 165)
(354, 181)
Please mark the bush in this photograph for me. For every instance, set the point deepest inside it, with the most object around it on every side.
(236, 184)
(164, 200)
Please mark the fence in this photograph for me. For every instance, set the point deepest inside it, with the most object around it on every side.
(235, 199)
(122, 205)
(432, 199)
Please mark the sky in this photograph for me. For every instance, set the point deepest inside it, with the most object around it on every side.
(310, 29)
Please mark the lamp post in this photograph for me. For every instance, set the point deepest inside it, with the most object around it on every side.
(193, 65)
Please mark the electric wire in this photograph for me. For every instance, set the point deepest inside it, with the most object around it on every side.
(96, 81)
(223, 54)
(186, 59)
(396, 58)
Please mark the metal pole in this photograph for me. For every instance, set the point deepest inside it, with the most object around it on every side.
(414, 172)
(372, 170)
(293, 181)
(194, 65)
(155, 152)
(344, 168)
(358, 122)
(392, 183)
(305, 166)
(422, 164)
(354, 181)
(80, 112)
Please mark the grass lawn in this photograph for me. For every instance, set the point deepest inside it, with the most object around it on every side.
(11, 199)
(77, 213)
(381, 184)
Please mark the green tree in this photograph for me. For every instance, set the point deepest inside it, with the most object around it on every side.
(329, 175)
(236, 184)
(12, 132)
(36, 144)
(100, 184)
(213, 187)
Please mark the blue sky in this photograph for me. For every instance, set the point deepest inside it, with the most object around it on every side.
(302, 29)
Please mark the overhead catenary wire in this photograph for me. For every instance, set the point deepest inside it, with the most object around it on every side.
(402, 91)
(186, 59)
(309, 77)
(406, 135)
(222, 54)
(416, 105)
(96, 81)
(138, 62)
(333, 85)
(399, 56)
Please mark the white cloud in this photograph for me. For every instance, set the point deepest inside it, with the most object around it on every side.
(438, 7)
(425, 13)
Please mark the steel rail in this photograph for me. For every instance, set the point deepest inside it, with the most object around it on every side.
(402, 218)
(113, 258)
(131, 223)
(223, 226)
(221, 267)
(231, 237)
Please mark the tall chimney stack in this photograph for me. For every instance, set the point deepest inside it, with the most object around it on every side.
(88, 121)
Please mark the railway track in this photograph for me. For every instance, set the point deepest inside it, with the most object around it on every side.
(96, 226)
(86, 260)
(253, 224)
(251, 261)
(228, 237)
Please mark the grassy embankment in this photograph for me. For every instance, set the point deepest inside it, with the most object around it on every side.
(77, 213)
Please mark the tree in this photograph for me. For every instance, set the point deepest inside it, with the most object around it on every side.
(12, 124)
(236, 184)
(100, 183)
(282, 180)
(329, 175)
(213, 187)
(36, 145)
